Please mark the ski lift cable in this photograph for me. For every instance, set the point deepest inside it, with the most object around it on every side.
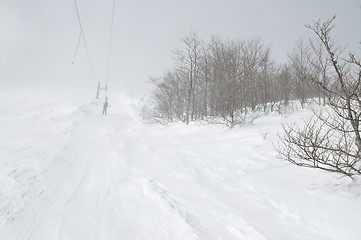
(79, 39)
(77, 47)
(110, 45)
(84, 40)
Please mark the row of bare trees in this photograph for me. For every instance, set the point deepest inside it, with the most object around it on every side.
(228, 80)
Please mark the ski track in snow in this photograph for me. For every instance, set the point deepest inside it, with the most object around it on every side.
(69, 173)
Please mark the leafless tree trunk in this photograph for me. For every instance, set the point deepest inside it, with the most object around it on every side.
(299, 60)
(188, 63)
(321, 63)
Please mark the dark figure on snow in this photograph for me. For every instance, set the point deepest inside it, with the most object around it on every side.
(105, 106)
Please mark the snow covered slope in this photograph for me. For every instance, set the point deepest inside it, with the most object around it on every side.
(67, 172)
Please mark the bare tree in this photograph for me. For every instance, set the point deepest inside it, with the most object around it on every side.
(188, 64)
(300, 65)
(251, 54)
(205, 72)
(320, 63)
(285, 84)
(331, 140)
(266, 79)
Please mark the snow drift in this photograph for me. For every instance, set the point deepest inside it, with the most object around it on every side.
(67, 172)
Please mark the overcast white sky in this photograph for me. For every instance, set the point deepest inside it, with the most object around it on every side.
(39, 37)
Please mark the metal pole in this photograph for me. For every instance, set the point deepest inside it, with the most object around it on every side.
(98, 90)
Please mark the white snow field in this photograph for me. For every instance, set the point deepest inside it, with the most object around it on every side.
(69, 173)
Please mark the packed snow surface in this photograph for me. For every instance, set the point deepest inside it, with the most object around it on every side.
(69, 173)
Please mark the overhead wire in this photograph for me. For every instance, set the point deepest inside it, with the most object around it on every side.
(79, 38)
(110, 46)
(82, 35)
(77, 47)
(84, 40)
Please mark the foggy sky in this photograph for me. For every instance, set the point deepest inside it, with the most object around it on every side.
(38, 38)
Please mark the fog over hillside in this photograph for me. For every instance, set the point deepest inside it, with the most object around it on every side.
(39, 38)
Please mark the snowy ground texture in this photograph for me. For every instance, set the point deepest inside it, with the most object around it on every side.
(69, 173)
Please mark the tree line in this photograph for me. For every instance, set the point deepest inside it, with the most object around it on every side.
(228, 81)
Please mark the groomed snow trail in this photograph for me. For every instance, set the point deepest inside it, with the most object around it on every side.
(90, 192)
(78, 175)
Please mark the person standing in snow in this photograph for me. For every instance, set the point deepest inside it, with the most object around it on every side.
(105, 106)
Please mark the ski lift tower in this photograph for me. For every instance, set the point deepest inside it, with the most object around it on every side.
(101, 88)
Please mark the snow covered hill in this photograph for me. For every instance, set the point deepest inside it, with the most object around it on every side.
(69, 173)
